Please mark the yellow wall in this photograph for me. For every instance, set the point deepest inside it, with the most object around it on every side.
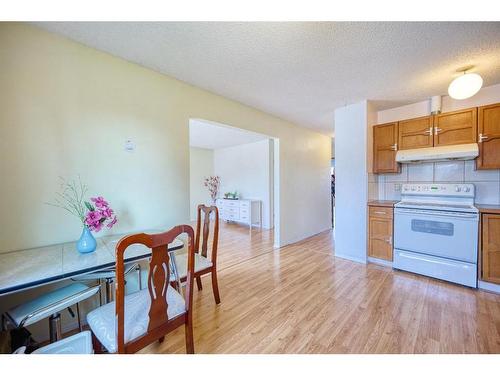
(66, 109)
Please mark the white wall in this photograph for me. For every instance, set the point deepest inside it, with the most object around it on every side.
(487, 182)
(247, 169)
(351, 180)
(201, 165)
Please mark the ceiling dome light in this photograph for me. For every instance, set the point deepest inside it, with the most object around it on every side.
(465, 86)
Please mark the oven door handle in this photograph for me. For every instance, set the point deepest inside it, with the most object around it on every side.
(452, 215)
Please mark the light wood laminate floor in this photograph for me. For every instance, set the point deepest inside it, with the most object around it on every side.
(301, 299)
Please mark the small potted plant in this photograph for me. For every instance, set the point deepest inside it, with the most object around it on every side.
(231, 195)
(95, 214)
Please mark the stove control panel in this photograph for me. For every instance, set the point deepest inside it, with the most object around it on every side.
(452, 190)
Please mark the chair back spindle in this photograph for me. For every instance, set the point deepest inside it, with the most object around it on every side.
(207, 211)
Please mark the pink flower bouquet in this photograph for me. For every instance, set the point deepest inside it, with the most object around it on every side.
(99, 214)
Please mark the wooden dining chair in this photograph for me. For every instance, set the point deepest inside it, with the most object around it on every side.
(203, 264)
(135, 320)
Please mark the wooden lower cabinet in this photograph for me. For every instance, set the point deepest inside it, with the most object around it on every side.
(490, 248)
(380, 232)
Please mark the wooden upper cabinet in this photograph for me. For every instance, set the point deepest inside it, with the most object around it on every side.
(415, 133)
(385, 139)
(490, 243)
(489, 137)
(455, 128)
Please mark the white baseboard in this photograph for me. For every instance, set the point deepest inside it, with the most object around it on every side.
(380, 262)
(490, 287)
(354, 259)
(301, 238)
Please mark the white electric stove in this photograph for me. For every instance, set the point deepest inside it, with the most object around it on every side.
(436, 232)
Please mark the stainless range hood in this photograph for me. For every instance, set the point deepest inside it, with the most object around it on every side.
(441, 153)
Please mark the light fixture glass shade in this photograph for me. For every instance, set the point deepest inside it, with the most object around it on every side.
(465, 86)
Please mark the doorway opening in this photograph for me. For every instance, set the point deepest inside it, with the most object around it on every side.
(247, 165)
(332, 176)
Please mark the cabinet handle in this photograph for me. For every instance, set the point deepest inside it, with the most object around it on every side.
(394, 147)
(389, 241)
(380, 212)
(437, 130)
(482, 137)
(429, 131)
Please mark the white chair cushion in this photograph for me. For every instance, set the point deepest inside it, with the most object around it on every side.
(51, 303)
(200, 263)
(81, 343)
(102, 320)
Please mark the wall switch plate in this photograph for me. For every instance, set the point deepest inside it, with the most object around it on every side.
(129, 146)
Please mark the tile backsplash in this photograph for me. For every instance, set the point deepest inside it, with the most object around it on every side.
(487, 183)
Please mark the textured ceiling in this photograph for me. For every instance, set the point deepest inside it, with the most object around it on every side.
(206, 134)
(302, 71)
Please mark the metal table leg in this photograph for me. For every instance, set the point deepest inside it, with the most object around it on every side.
(109, 290)
(55, 329)
(175, 272)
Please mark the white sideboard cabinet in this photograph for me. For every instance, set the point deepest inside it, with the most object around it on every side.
(244, 211)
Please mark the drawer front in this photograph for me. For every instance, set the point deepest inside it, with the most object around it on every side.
(233, 216)
(382, 212)
(245, 204)
(232, 210)
(244, 211)
(441, 268)
(244, 217)
(231, 203)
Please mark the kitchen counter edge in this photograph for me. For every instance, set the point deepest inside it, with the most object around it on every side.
(382, 203)
(488, 208)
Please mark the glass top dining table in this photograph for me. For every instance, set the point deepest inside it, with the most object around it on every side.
(26, 269)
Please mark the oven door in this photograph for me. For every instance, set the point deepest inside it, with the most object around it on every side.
(440, 233)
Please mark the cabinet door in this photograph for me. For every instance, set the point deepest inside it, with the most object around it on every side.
(489, 137)
(455, 128)
(490, 242)
(415, 133)
(380, 238)
(384, 148)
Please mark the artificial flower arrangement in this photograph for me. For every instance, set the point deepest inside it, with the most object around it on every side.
(212, 183)
(95, 214)
(100, 215)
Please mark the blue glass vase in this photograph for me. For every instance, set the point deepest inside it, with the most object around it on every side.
(87, 242)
